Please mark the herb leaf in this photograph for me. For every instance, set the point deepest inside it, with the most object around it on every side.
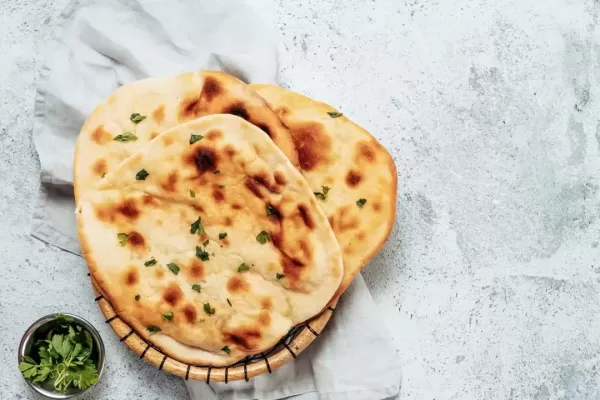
(201, 254)
(137, 297)
(150, 263)
(168, 316)
(126, 137)
(197, 227)
(64, 358)
(322, 195)
(136, 118)
(222, 235)
(208, 310)
(196, 287)
(153, 328)
(195, 138)
(270, 210)
(361, 202)
(206, 242)
(123, 237)
(334, 114)
(279, 276)
(262, 237)
(192, 193)
(173, 267)
(243, 267)
(226, 349)
(229, 302)
(142, 175)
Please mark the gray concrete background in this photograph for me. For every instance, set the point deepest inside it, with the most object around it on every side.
(490, 281)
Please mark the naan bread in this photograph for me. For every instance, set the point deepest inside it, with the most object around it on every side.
(162, 103)
(336, 153)
(227, 187)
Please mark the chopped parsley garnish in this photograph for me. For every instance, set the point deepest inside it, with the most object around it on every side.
(201, 254)
(195, 138)
(168, 316)
(222, 235)
(173, 267)
(334, 114)
(126, 137)
(271, 210)
(150, 263)
(208, 310)
(153, 328)
(196, 288)
(216, 172)
(123, 237)
(197, 227)
(192, 193)
(137, 118)
(361, 202)
(206, 242)
(229, 302)
(104, 174)
(137, 297)
(243, 267)
(262, 237)
(226, 349)
(142, 175)
(322, 195)
(279, 276)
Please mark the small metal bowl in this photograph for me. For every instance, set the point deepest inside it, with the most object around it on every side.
(38, 330)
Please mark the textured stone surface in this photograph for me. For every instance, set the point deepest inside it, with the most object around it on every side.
(490, 282)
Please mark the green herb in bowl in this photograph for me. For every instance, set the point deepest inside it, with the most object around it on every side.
(63, 358)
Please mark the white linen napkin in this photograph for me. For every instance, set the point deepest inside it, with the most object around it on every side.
(100, 45)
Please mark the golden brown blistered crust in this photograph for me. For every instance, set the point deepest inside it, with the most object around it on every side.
(339, 154)
(258, 190)
(166, 102)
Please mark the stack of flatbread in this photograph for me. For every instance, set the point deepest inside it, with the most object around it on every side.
(215, 215)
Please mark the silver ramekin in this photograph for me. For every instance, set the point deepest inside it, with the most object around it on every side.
(39, 330)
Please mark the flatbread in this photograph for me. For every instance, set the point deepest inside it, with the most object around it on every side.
(238, 183)
(335, 152)
(163, 103)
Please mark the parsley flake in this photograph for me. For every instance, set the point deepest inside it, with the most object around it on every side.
(229, 302)
(206, 242)
(192, 193)
(196, 288)
(361, 202)
(271, 210)
(195, 138)
(173, 267)
(226, 349)
(123, 237)
(208, 310)
(137, 297)
(334, 114)
(168, 316)
(197, 227)
(150, 263)
(153, 328)
(262, 237)
(222, 235)
(142, 175)
(126, 137)
(279, 276)
(243, 267)
(136, 118)
(201, 254)
(322, 195)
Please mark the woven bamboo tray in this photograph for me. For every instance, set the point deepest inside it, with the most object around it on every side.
(297, 339)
